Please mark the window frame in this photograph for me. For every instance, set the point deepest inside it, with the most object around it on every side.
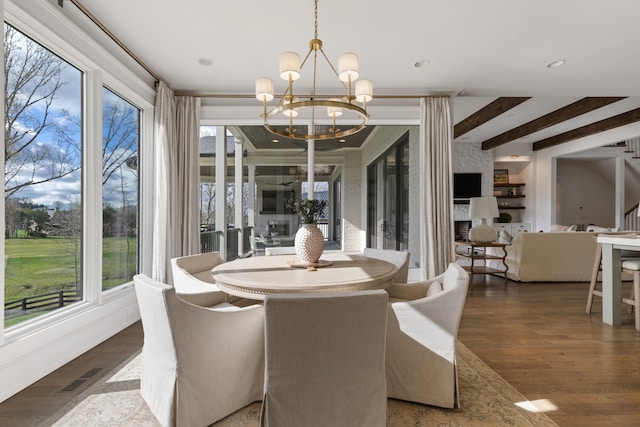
(100, 69)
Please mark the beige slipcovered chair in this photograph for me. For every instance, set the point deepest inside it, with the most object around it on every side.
(199, 364)
(422, 327)
(277, 250)
(325, 359)
(193, 280)
(399, 258)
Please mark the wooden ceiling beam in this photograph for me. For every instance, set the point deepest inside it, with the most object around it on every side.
(590, 129)
(486, 113)
(560, 115)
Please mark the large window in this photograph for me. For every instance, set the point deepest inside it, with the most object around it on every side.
(42, 181)
(49, 190)
(120, 130)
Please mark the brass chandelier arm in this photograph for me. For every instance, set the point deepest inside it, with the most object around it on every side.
(292, 133)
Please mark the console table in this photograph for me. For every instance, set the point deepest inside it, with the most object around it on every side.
(477, 251)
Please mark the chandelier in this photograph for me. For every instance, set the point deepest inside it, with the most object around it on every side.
(291, 104)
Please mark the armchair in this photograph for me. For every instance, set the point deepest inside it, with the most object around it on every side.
(193, 280)
(199, 364)
(422, 327)
(399, 258)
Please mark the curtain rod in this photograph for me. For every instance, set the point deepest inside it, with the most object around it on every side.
(245, 96)
(112, 36)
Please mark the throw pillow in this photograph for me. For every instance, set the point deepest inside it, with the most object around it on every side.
(559, 227)
(434, 288)
(505, 237)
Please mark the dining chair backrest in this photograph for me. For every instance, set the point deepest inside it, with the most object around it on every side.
(193, 280)
(199, 364)
(325, 359)
(399, 258)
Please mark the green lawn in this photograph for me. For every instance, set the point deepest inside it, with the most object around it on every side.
(38, 266)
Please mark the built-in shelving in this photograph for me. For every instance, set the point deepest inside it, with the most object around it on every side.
(509, 196)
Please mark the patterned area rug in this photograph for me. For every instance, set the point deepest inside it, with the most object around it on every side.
(485, 400)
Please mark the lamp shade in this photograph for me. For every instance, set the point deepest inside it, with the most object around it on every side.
(364, 90)
(483, 207)
(290, 112)
(334, 111)
(289, 66)
(264, 89)
(348, 67)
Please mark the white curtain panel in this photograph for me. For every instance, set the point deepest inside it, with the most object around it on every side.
(164, 137)
(187, 194)
(436, 219)
(176, 223)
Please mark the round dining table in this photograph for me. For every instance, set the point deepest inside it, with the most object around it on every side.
(255, 277)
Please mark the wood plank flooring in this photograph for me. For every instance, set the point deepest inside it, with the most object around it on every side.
(537, 336)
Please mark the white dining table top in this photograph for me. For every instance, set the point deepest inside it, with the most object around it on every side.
(619, 241)
(255, 277)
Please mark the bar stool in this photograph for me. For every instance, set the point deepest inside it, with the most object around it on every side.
(630, 266)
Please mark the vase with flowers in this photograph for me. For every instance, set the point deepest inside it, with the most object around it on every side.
(309, 241)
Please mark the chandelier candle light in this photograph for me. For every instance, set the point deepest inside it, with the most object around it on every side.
(290, 103)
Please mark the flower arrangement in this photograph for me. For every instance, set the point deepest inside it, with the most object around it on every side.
(307, 209)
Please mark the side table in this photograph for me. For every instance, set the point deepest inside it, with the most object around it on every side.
(477, 251)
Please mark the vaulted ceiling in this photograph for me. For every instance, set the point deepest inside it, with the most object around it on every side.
(496, 57)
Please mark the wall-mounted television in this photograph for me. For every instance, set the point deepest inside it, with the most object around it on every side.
(467, 185)
(275, 201)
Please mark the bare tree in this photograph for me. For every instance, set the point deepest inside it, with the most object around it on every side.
(120, 137)
(33, 78)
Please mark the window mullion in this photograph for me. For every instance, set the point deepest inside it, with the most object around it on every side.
(92, 187)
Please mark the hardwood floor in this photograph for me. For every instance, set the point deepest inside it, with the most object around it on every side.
(537, 336)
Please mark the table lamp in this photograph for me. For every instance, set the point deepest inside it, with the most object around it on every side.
(483, 208)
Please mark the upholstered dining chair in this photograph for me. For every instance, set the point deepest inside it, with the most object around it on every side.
(325, 360)
(193, 280)
(422, 328)
(399, 258)
(277, 250)
(199, 364)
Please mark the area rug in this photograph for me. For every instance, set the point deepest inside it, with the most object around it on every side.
(486, 399)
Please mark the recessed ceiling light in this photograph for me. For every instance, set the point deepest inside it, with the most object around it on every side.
(556, 64)
(204, 61)
(421, 64)
(275, 141)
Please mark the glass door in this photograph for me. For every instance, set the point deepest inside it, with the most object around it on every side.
(388, 199)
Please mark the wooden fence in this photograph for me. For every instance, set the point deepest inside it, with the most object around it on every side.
(42, 302)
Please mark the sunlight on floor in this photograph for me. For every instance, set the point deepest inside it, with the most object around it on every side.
(540, 405)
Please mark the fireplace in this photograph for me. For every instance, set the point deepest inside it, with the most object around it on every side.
(461, 230)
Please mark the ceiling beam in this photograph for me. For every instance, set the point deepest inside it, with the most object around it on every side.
(590, 129)
(486, 113)
(560, 115)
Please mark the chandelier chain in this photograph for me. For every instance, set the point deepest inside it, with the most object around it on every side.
(315, 14)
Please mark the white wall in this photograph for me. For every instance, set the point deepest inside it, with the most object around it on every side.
(584, 195)
(469, 157)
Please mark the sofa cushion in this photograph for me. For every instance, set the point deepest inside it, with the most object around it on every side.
(599, 229)
(434, 288)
